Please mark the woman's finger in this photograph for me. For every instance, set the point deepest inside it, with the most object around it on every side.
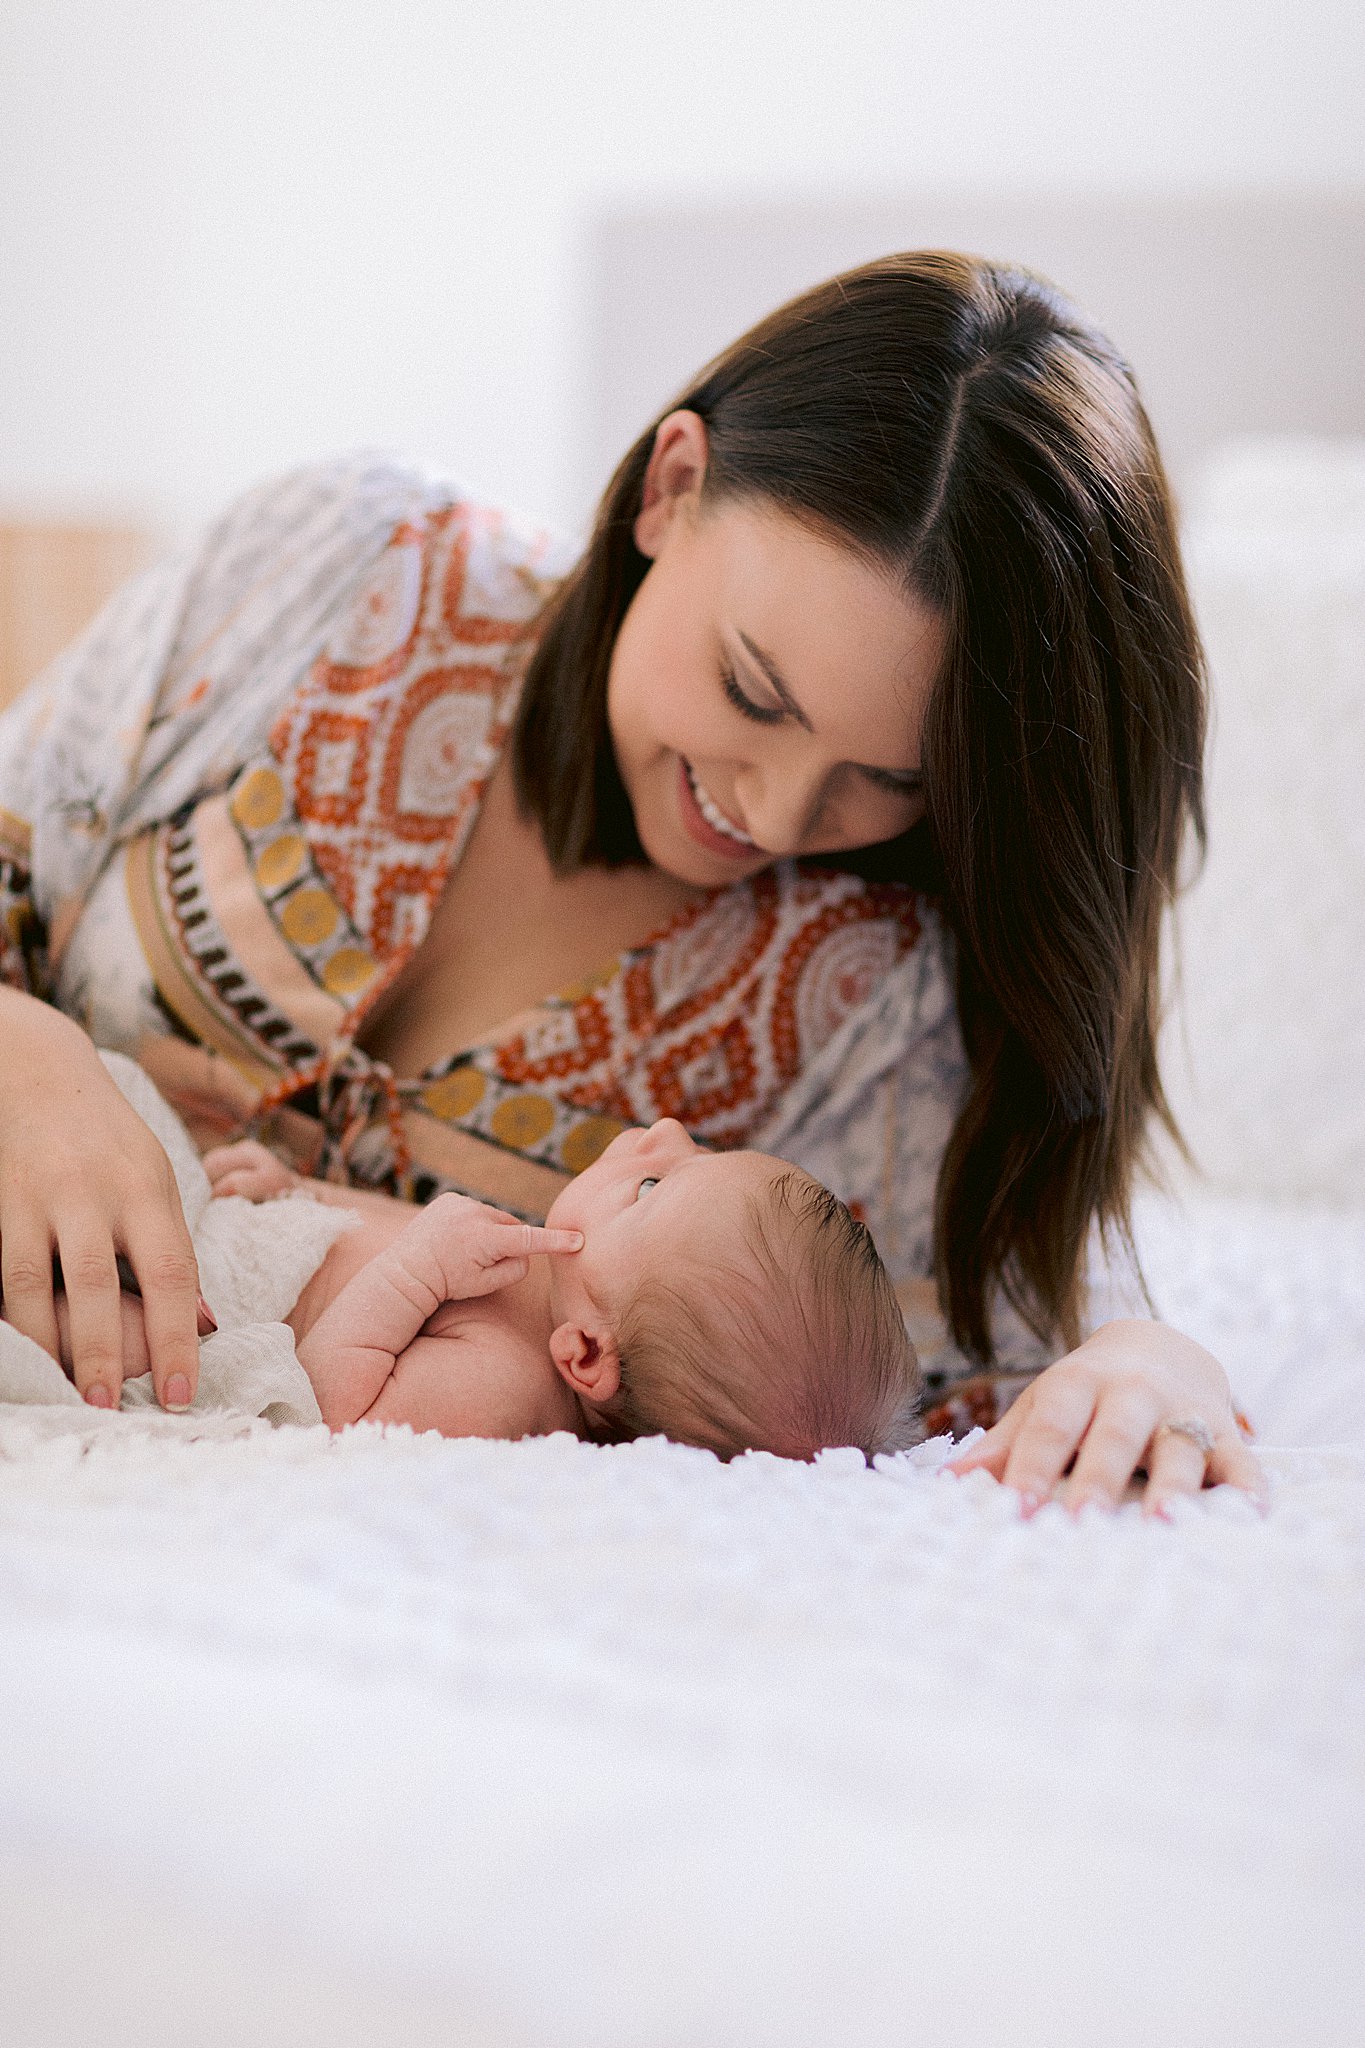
(1113, 1447)
(26, 1287)
(1050, 1435)
(91, 1284)
(1176, 1468)
(162, 1258)
(992, 1453)
(1233, 1464)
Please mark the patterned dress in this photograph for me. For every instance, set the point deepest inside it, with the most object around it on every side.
(227, 814)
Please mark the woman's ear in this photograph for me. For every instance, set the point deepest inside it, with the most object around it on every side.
(588, 1361)
(677, 469)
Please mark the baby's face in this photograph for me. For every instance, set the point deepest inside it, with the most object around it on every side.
(652, 1199)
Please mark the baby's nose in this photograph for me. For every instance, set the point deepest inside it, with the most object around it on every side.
(669, 1137)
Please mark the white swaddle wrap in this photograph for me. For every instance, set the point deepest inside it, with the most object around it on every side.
(255, 1259)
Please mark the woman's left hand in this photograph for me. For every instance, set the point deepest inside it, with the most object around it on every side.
(1112, 1406)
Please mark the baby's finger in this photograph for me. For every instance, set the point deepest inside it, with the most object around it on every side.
(249, 1181)
(541, 1239)
(26, 1281)
(492, 1240)
(246, 1156)
(91, 1283)
(162, 1258)
(505, 1272)
(220, 1160)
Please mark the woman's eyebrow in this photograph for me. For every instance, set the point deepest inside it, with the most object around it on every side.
(778, 681)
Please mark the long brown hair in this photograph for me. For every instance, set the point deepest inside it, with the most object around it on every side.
(963, 426)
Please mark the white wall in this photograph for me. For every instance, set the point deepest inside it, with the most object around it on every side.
(235, 234)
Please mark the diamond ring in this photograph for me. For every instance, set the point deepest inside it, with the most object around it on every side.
(1199, 1433)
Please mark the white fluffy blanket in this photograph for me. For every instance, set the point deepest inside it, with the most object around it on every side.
(381, 1739)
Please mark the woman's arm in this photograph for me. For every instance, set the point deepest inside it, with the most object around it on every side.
(157, 703)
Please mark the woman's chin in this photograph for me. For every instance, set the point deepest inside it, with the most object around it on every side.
(700, 869)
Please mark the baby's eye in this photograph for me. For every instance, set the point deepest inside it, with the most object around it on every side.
(643, 1185)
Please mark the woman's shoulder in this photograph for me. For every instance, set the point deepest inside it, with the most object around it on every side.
(466, 577)
(354, 500)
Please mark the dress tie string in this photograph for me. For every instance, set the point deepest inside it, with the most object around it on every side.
(352, 1090)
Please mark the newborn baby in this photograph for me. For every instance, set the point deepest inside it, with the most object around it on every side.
(721, 1299)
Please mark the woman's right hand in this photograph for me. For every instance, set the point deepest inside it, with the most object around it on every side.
(83, 1178)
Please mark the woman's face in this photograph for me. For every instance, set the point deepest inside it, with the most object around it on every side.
(767, 687)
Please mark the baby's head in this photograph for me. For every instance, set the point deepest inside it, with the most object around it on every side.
(726, 1299)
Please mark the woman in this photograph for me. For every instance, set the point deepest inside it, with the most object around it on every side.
(838, 792)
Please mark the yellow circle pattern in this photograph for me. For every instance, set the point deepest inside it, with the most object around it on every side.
(282, 861)
(589, 1140)
(258, 800)
(522, 1120)
(309, 918)
(349, 970)
(455, 1094)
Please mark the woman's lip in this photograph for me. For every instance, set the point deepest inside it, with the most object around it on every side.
(704, 834)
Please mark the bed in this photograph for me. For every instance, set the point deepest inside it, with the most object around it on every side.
(382, 1738)
(386, 1738)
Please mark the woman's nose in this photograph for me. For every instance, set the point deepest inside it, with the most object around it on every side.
(783, 811)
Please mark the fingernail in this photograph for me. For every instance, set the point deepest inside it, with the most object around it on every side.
(1029, 1504)
(207, 1322)
(97, 1395)
(178, 1393)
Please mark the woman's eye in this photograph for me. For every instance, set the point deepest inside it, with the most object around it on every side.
(762, 714)
(643, 1185)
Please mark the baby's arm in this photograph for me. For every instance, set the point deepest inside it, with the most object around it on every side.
(251, 1169)
(451, 1251)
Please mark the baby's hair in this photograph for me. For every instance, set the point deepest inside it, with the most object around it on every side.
(814, 1301)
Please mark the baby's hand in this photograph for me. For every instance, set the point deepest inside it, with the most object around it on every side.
(467, 1249)
(248, 1169)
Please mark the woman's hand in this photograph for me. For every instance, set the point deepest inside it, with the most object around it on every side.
(1111, 1406)
(82, 1178)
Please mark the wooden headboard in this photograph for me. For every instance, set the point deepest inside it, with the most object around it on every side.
(53, 579)
(1240, 315)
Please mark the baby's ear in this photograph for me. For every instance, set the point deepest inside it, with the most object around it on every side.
(588, 1361)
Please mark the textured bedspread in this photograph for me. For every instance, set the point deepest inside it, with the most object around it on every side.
(392, 1739)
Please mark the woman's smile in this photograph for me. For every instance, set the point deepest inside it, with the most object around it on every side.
(708, 824)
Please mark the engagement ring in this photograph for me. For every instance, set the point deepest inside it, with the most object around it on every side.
(1199, 1433)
